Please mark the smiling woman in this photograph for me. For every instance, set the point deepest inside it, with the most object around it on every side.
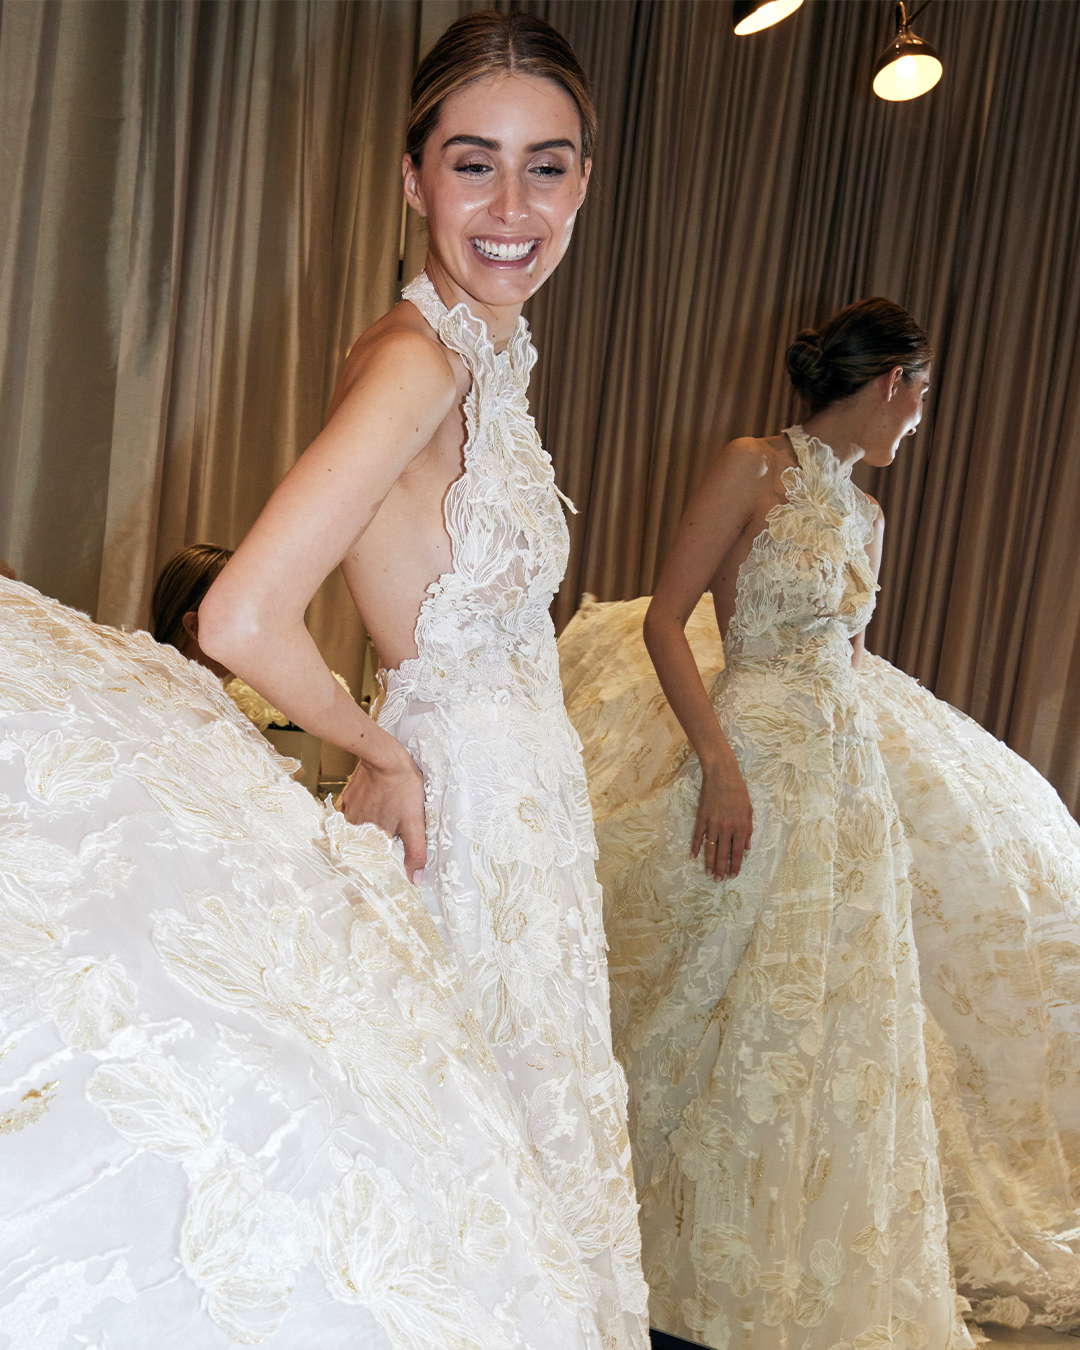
(430, 488)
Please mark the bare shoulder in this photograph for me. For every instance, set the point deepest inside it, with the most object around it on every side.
(750, 458)
(399, 355)
(747, 465)
(747, 457)
(879, 514)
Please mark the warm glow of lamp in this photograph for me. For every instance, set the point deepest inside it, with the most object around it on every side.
(750, 16)
(908, 66)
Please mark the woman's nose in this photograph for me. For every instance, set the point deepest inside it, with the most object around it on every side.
(510, 204)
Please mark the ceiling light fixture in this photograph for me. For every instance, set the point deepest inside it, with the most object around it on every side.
(908, 66)
(750, 16)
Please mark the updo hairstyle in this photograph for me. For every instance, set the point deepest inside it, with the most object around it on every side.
(864, 341)
(490, 43)
(183, 583)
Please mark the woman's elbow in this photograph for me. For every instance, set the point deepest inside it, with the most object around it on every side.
(658, 627)
(227, 631)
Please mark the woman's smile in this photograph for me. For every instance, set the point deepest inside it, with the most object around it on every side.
(505, 253)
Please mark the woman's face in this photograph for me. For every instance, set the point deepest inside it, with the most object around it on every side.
(902, 413)
(501, 183)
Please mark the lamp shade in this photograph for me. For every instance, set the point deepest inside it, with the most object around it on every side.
(906, 68)
(750, 16)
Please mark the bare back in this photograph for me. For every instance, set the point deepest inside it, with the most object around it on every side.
(406, 547)
(773, 454)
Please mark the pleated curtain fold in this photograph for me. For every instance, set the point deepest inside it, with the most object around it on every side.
(200, 212)
(200, 209)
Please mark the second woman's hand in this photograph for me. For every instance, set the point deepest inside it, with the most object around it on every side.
(725, 820)
(391, 796)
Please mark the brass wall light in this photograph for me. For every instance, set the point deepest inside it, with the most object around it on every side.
(908, 66)
(750, 16)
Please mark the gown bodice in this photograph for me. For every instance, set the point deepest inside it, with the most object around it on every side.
(806, 583)
(484, 624)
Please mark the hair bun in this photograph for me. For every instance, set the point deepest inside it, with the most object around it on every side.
(808, 365)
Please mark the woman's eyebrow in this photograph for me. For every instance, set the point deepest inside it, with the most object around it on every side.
(481, 141)
(484, 143)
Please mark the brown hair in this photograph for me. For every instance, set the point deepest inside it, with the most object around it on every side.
(183, 582)
(490, 43)
(864, 341)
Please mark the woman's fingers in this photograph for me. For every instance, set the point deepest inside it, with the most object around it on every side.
(723, 852)
(394, 801)
(700, 837)
(413, 837)
(740, 841)
(724, 847)
(724, 822)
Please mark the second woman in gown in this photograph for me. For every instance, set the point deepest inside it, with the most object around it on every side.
(431, 489)
(767, 1003)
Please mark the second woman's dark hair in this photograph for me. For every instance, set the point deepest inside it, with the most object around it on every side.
(863, 341)
(485, 43)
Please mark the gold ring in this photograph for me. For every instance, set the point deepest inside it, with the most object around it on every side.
(706, 840)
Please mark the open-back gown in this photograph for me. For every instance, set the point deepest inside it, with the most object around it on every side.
(511, 878)
(249, 1095)
(784, 1078)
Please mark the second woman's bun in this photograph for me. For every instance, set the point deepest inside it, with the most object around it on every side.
(808, 366)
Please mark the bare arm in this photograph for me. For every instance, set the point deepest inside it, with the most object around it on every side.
(252, 619)
(873, 552)
(721, 508)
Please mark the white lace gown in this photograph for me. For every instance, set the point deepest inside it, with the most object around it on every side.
(771, 1026)
(510, 879)
(995, 874)
(246, 1096)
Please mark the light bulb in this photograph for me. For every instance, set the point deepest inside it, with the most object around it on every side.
(752, 18)
(907, 68)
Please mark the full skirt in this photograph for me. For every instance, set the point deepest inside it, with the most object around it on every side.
(246, 1094)
(753, 1024)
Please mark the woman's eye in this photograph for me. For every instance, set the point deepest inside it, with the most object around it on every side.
(474, 169)
(549, 170)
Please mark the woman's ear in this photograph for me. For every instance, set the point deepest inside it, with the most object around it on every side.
(410, 175)
(586, 173)
(894, 377)
(191, 625)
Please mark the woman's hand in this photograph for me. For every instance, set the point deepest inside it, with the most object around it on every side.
(391, 797)
(725, 820)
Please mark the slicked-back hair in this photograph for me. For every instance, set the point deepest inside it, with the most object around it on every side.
(486, 43)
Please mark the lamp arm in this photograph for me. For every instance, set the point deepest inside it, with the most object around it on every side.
(909, 22)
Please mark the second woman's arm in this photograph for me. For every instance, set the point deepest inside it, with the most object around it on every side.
(721, 509)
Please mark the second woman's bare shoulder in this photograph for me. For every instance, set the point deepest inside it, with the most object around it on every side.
(746, 463)
(750, 457)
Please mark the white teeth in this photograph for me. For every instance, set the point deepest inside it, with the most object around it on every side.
(504, 252)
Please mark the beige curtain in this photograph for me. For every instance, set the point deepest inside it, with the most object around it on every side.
(200, 208)
(748, 186)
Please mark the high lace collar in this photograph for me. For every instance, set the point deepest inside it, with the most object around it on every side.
(461, 331)
(815, 456)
